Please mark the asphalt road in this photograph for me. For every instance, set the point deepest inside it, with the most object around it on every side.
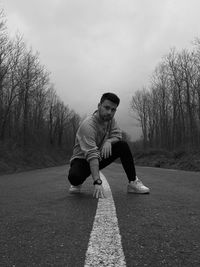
(41, 224)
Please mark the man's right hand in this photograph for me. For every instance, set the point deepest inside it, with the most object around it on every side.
(98, 191)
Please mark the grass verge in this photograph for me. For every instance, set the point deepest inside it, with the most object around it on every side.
(14, 158)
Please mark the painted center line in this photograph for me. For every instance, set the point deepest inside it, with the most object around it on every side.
(105, 248)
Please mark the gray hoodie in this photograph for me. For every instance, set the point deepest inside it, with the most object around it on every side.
(91, 135)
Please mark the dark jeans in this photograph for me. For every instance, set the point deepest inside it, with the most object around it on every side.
(80, 168)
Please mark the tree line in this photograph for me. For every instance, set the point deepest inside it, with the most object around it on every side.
(168, 109)
(31, 113)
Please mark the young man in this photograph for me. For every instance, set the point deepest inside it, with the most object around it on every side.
(98, 143)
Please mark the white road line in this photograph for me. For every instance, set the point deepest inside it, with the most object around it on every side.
(105, 248)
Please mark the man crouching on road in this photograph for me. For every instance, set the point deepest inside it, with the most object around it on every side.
(98, 143)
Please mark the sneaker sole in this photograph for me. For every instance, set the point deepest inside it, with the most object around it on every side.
(136, 192)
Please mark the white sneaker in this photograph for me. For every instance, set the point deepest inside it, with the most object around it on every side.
(137, 187)
(75, 189)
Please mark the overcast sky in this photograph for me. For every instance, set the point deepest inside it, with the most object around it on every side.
(94, 46)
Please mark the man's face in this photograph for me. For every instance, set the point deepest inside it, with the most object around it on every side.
(107, 110)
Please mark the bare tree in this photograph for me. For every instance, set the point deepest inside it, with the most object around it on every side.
(74, 124)
(11, 80)
(169, 112)
(31, 113)
(139, 104)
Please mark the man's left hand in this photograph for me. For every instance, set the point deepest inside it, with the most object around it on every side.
(106, 149)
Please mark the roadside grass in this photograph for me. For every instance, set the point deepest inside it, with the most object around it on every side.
(14, 158)
(180, 159)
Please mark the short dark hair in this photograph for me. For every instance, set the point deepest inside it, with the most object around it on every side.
(111, 97)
